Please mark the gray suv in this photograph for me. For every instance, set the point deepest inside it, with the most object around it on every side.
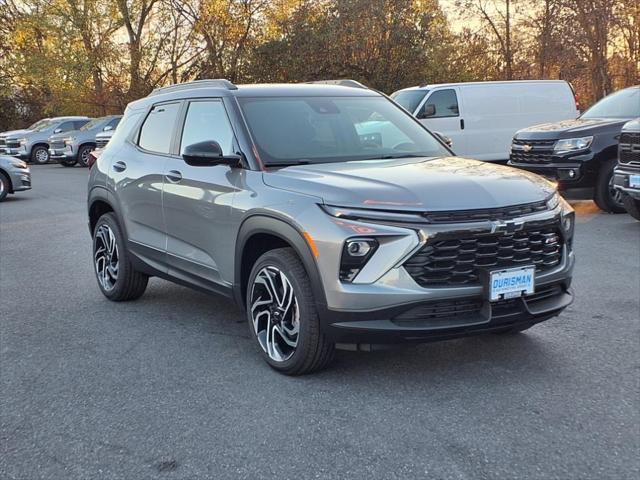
(329, 214)
(74, 147)
(33, 145)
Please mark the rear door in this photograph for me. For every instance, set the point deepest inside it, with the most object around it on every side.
(197, 200)
(440, 111)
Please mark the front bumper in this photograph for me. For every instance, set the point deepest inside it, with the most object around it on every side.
(622, 177)
(570, 172)
(66, 153)
(13, 152)
(20, 179)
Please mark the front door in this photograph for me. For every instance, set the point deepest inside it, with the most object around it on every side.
(440, 112)
(197, 200)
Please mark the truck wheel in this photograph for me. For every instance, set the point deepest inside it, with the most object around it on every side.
(607, 198)
(4, 186)
(282, 315)
(632, 206)
(117, 278)
(83, 155)
(67, 163)
(40, 155)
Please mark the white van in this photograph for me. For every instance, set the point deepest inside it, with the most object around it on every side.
(482, 117)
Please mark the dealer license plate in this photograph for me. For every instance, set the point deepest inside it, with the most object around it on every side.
(511, 283)
(634, 181)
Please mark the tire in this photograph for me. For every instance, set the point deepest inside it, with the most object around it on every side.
(126, 283)
(83, 155)
(40, 155)
(607, 198)
(632, 206)
(67, 163)
(296, 318)
(5, 186)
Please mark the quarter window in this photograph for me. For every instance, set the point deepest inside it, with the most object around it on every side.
(157, 130)
(207, 121)
(445, 104)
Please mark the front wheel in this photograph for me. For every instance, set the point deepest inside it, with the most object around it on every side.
(282, 315)
(117, 278)
(83, 155)
(608, 198)
(4, 186)
(40, 155)
(632, 206)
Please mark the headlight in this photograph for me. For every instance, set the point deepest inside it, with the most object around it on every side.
(355, 254)
(19, 164)
(567, 145)
(22, 141)
(568, 218)
(553, 201)
(68, 140)
(365, 214)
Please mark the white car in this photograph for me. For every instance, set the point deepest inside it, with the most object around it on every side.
(482, 117)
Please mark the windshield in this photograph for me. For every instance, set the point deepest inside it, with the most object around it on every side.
(289, 130)
(621, 104)
(409, 99)
(92, 123)
(39, 123)
(45, 126)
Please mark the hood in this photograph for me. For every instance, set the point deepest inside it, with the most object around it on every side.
(63, 135)
(15, 133)
(417, 184)
(571, 128)
(632, 126)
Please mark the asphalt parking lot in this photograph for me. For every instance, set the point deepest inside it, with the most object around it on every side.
(171, 387)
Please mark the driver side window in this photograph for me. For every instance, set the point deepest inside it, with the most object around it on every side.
(207, 120)
(441, 103)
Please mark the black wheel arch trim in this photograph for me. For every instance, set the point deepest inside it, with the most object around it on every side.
(274, 224)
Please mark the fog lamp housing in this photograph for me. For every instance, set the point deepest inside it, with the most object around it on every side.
(356, 252)
(568, 173)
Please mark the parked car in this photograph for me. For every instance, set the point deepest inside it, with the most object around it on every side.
(102, 138)
(14, 176)
(580, 153)
(33, 145)
(74, 147)
(12, 133)
(481, 117)
(627, 172)
(270, 195)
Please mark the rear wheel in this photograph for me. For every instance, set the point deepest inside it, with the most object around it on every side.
(117, 278)
(282, 315)
(632, 206)
(608, 198)
(40, 155)
(83, 155)
(4, 186)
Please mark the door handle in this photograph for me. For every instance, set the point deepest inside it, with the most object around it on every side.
(173, 176)
(462, 124)
(119, 166)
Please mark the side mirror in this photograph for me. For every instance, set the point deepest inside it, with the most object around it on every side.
(57, 130)
(428, 110)
(444, 139)
(108, 128)
(207, 154)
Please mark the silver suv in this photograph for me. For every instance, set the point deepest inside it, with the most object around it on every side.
(74, 147)
(329, 214)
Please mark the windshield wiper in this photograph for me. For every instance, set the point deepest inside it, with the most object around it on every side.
(287, 164)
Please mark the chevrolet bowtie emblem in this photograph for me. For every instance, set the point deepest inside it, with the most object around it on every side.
(527, 148)
(506, 227)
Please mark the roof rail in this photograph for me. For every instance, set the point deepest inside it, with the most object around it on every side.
(342, 82)
(209, 83)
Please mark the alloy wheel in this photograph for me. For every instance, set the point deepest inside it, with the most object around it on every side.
(615, 194)
(84, 157)
(105, 257)
(275, 313)
(2, 186)
(42, 156)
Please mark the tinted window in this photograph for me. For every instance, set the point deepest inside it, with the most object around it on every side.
(334, 129)
(207, 121)
(409, 99)
(445, 103)
(622, 104)
(157, 130)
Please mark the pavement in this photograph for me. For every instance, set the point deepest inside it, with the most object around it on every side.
(171, 387)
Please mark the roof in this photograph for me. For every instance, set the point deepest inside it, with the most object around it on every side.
(457, 84)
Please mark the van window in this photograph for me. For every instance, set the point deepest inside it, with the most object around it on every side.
(157, 129)
(445, 103)
(409, 99)
(207, 120)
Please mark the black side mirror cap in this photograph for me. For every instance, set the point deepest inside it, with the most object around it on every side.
(208, 154)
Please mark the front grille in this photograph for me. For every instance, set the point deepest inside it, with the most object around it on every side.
(459, 261)
(101, 142)
(483, 214)
(57, 145)
(541, 151)
(629, 150)
(12, 144)
(3, 142)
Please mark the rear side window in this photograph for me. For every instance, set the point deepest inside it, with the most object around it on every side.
(79, 123)
(445, 103)
(129, 121)
(207, 120)
(157, 130)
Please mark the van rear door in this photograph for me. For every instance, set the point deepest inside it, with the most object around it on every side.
(440, 111)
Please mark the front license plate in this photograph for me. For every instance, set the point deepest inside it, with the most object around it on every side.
(511, 283)
(634, 181)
